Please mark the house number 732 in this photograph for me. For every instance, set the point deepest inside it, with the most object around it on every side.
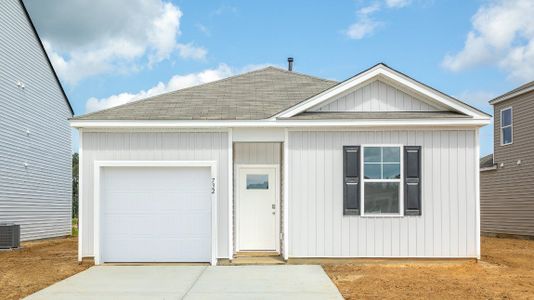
(213, 185)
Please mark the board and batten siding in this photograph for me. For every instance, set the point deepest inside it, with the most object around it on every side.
(376, 96)
(170, 146)
(447, 227)
(35, 136)
(507, 193)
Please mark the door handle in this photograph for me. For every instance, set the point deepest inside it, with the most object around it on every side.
(274, 206)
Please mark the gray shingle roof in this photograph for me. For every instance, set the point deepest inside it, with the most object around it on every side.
(525, 86)
(487, 161)
(376, 115)
(251, 96)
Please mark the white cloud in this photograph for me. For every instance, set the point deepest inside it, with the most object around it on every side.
(366, 23)
(175, 83)
(502, 34)
(191, 51)
(364, 27)
(398, 3)
(89, 38)
(163, 32)
(367, 10)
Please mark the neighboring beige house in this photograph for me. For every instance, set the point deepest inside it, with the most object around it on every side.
(507, 176)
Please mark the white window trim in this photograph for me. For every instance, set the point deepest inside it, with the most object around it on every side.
(511, 125)
(400, 181)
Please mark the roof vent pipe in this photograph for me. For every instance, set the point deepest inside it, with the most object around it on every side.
(290, 64)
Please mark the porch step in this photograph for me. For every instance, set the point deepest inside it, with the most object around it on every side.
(254, 258)
(256, 254)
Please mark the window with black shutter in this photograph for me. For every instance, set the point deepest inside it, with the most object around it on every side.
(372, 186)
(351, 180)
(412, 180)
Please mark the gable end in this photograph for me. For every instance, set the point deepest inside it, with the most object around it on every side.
(377, 96)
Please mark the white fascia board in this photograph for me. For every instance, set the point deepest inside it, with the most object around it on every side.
(381, 71)
(518, 93)
(469, 122)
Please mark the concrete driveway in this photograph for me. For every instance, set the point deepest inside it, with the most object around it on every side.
(195, 282)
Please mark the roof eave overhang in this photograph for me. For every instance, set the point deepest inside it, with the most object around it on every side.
(409, 123)
(510, 96)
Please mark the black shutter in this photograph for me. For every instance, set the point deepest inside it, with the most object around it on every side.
(351, 180)
(412, 180)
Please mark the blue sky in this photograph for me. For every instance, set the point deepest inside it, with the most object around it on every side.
(108, 53)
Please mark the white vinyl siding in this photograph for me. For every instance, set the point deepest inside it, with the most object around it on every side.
(154, 145)
(376, 96)
(34, 130)
(446, 228)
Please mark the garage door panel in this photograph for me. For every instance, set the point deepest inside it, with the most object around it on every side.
(178, 250)
(154, 214)
(192, 224)
(126, 178)
(166, 199)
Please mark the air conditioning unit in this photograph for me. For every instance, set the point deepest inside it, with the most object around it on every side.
(9, 236)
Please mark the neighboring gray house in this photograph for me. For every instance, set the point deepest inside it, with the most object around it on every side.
(507, 175)
(378, 165)
(35, 137)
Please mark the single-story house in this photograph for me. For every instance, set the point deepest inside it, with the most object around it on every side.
(378, 165)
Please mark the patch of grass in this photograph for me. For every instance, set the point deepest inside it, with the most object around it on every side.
(74, 226)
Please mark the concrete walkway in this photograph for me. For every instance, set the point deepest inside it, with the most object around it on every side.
(195, 282)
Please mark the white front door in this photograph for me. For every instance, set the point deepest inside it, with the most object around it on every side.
(257, 208)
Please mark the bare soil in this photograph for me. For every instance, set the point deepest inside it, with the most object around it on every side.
(506, 271)
(37, 265)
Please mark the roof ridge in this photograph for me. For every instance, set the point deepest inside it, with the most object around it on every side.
(206, 84)
(301, 74)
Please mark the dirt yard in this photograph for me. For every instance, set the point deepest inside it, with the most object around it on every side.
(37, 265)
(506, 271)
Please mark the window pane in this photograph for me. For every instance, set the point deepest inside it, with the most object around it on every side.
(372, 171)
(506, 117)
(257, 182)
(381, 198)
(391, 154)
(507, 135)
(391, 171)
(372, 154)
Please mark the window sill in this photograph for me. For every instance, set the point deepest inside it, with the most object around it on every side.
(382, 216)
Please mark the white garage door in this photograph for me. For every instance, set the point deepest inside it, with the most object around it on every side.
(155, 214)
